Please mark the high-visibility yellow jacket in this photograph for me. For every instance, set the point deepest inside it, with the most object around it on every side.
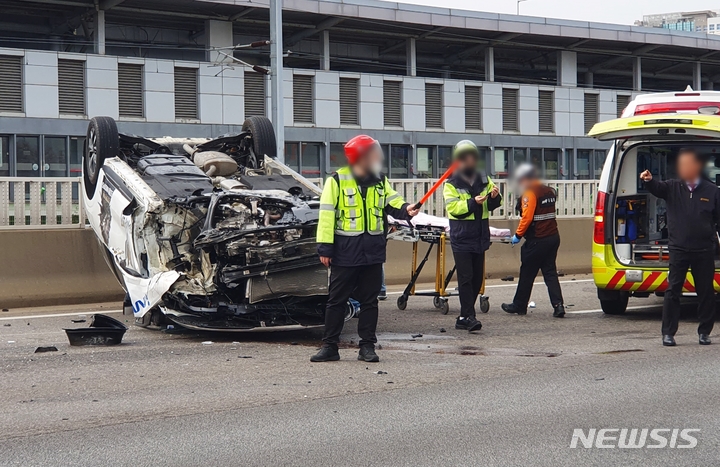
(469, 226)
(351, 226)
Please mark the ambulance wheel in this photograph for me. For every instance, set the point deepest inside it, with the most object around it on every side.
(402, 302)
(484, 304)
(437, 302)
(445, 307)
(613, 302)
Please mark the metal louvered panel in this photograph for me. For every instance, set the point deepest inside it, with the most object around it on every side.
(71, 87)
(186, 93)
(303, 99)
(591, 111)
(622, 102)
(392, 103)
(433, 105)
(11, 84)
(349, 99)
(546, 111)
(130, 90)
(510, 109)
(254, 94)
(473, 108)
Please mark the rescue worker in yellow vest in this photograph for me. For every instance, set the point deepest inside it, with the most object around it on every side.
(470, 196)
(351, 242)
(542, 241)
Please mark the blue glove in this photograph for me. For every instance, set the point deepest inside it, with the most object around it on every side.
(514, 240)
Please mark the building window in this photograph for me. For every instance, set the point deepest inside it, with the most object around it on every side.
(591, 111)
(546, 111)
(473, 108)
(292, 156)
(337, 157)
(510, 109)
(130, 90)
(303, 99)
(399, 159)
(600, 156)
(71, 87)
(55, 162)
(349, 101)
(186, 93)
(547, 161)
(425, 162)
(11, 79)
(254, 94)
(4, 156)
(519, 157)
(433, 105)
(622, 102)
(392, 103)
(501, 158)
(582, 164)
(77, 143)
(444, 158)
(27, 154)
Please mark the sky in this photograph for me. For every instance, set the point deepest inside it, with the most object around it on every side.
(603, 11)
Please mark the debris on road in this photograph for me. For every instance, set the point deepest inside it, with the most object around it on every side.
(244, 356)
(508, 279)
(7, 325)
(103, 330)
(531, 304)
(207, 343)
(5, 310)
(11, 342)
(442, 330)
(380, 372)
(77, 320)
(560, 273)
(49, 348)
(414, 336)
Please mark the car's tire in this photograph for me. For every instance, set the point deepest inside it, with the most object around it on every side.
(613, 302)
(263, 136)
(101, 143)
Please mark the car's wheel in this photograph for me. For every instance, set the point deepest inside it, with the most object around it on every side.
(613, 302)
(263, 136)
(101, 142)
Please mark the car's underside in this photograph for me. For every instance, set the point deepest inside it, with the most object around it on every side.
(226, 236)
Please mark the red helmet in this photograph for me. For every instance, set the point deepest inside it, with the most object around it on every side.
(358, 146)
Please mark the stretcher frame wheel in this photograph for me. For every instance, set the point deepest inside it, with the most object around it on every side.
(484, 304)
(437, 302)
(402, 302)
(445, 307)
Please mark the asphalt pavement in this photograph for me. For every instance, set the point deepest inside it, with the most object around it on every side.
(511, 394)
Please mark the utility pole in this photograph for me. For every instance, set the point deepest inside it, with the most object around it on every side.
(277, 115)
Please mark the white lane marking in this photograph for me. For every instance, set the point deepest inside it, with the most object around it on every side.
(503, 285)
(58, 315)
(646, 307)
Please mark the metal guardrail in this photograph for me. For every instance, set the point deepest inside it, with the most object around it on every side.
(574, 198)
(32, 203)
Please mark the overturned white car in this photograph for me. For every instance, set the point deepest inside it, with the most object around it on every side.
(207, 233)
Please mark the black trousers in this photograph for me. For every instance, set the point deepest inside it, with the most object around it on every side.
(703, 272)
(538, 254)
(361, 283)
(470, 268)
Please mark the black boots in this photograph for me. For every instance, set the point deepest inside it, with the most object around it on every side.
(511, 308)
(326, 354)
(468, 323)
(559, 311)
(367, 354)
(705, 339)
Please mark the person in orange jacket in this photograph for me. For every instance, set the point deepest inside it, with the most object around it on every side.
(539, 252)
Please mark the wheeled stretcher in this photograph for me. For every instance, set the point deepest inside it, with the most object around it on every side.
(434, 231)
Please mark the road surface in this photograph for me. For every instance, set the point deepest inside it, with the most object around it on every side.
(510, 395)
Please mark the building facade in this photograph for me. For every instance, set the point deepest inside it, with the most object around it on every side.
(418, 80)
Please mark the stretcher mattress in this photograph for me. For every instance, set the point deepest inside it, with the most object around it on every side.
(423, 220)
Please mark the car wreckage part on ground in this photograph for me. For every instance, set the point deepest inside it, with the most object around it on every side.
(206, 233)
(103, 330)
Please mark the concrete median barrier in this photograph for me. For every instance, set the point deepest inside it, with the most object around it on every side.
(59, 267)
